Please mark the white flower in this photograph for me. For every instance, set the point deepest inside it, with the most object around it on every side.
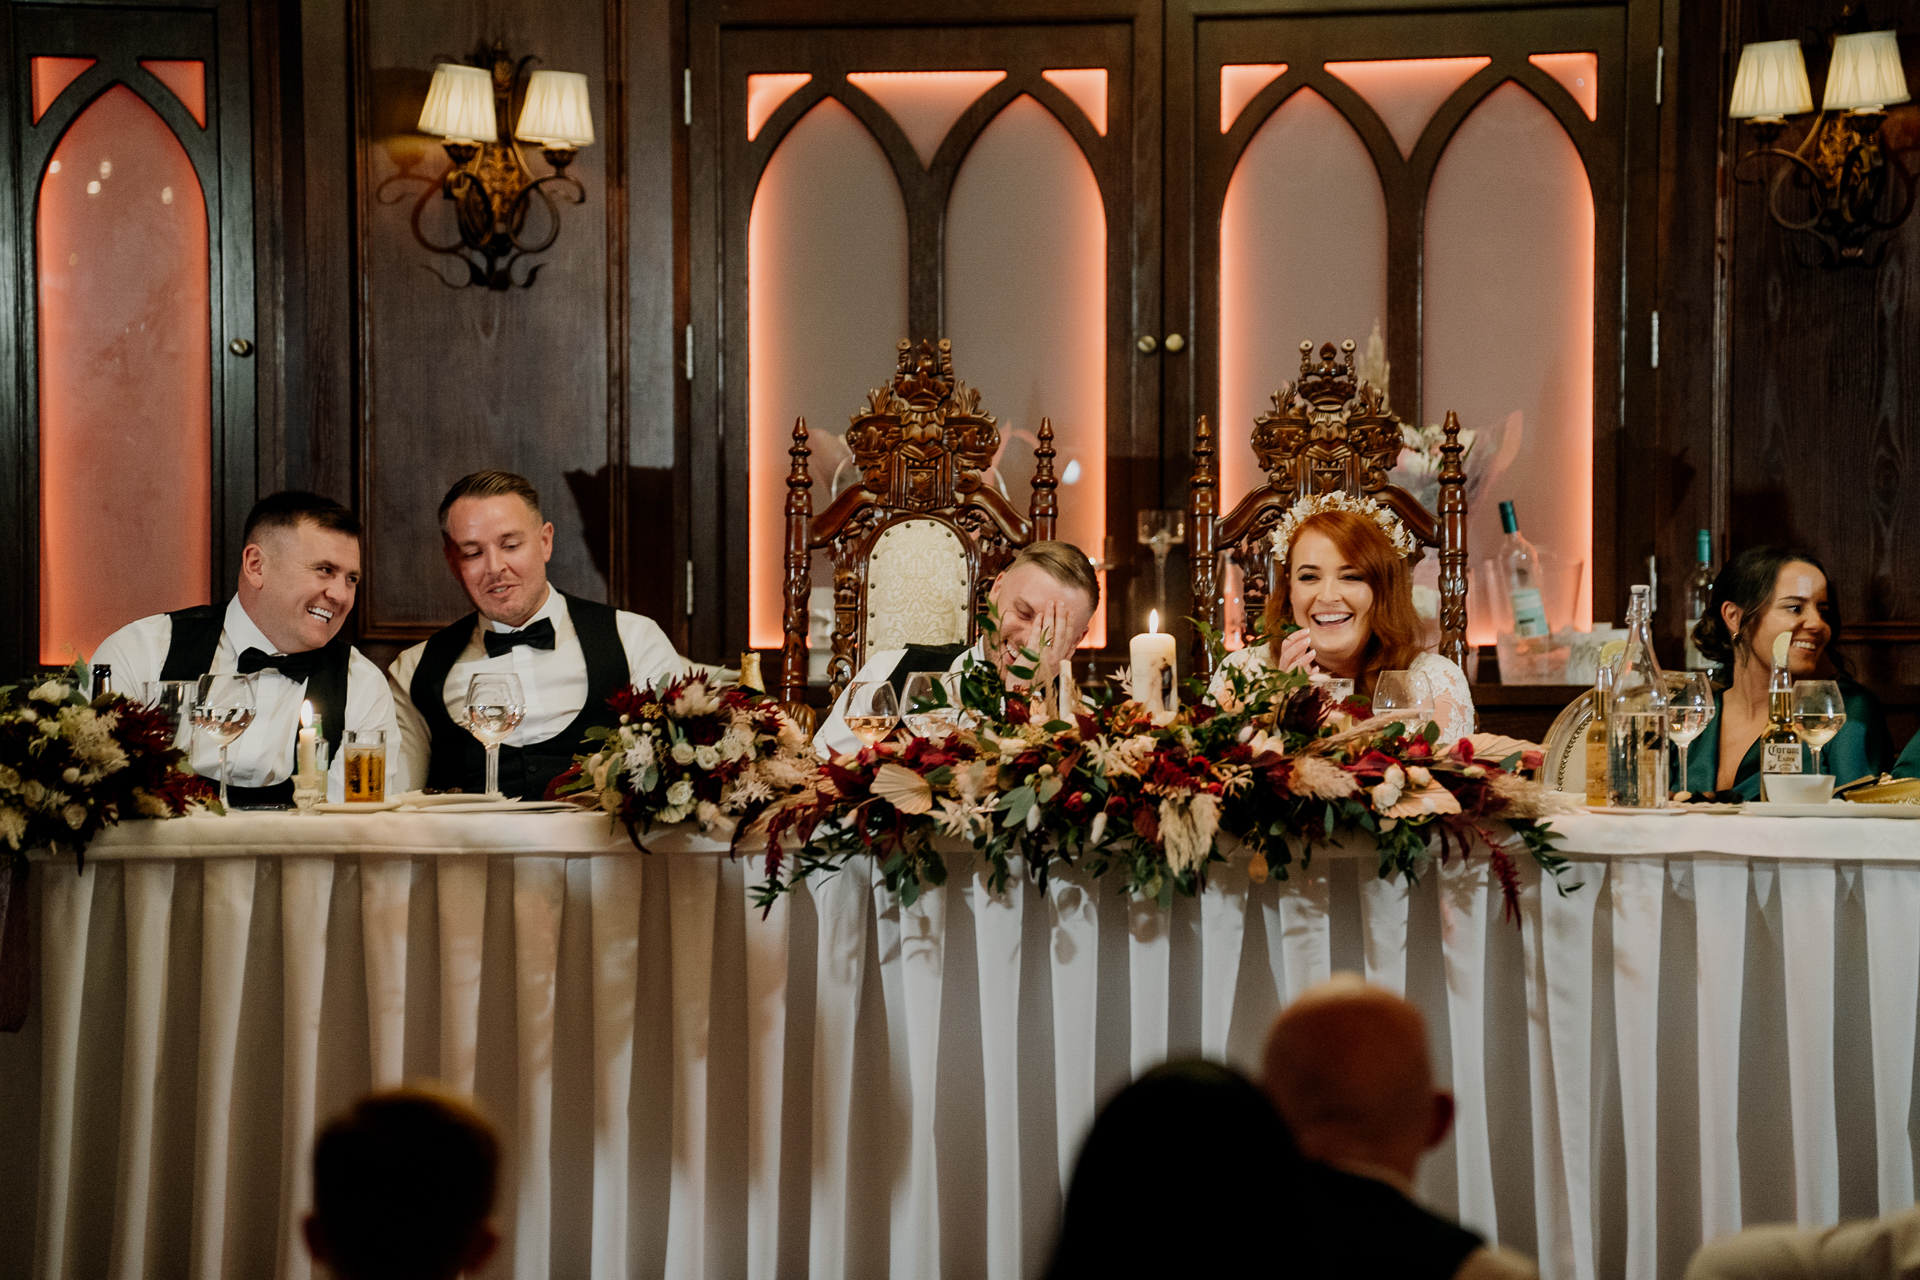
(1098, 829)
(1418, 776)
(76, 815)
(1387, 794)
(680, 794)
(678, 813)
(707, 757)
(749, 790)
(150, 805)
(33, 793)
(735, 742)
(709, 816)
(9, 779)
(53, 691)
(694, 700)
(683, 753)
(960, 818)
(70, 774)
(13, 826)
(639, 756)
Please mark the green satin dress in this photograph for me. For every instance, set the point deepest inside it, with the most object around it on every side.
(1861, 748)
(1908, 765)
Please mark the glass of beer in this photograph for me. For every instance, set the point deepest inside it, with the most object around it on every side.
(363, 765)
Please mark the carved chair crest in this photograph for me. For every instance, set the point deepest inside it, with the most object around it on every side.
(921, 445)
(1328, 430)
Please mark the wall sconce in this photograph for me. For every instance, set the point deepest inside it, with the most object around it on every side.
(491, 186)
(1840, 165)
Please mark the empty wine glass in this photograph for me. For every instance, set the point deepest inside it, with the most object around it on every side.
(1689, 712)
(173, 699)
(1818, 713)
(223, 708)
(1401, 695)
(1161, 531)
(872, 710)
(930, 703)
(495, 705)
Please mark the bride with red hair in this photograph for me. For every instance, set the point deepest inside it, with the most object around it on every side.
(1345, 609)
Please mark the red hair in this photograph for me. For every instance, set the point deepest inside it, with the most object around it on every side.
(1393, 641)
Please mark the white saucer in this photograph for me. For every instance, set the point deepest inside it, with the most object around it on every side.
(364, 806)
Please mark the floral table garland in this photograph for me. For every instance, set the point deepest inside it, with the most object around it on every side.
(69, 768)
(1059, 778)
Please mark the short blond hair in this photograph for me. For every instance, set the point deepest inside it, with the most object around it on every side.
(1065, 564)
(490, 484)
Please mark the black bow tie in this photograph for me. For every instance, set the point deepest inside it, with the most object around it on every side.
(539, 636)
(294, 666)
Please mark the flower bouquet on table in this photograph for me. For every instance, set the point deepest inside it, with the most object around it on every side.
(692, 749)
(69, 767)
(1095, 781)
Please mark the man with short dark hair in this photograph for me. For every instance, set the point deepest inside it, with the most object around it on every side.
(1046, 598)
(571, 654)
(299, 574)
(1347, 1067)
(403, 1189)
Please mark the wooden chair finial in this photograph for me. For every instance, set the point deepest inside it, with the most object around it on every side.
(793, 650)
(1453, 544)
(1203, 505)
(1043, 508)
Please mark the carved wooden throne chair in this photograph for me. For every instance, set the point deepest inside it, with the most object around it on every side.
(916, 541)
(1327, 431)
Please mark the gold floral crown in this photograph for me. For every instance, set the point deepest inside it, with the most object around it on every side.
(1341, 500)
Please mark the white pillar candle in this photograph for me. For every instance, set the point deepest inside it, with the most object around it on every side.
(304, 762)
(1154, 671)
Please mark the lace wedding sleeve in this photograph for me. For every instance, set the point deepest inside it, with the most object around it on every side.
(1446, 685)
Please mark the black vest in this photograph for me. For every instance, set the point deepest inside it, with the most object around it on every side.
(459, 761)
(196, 637)
(923, 657)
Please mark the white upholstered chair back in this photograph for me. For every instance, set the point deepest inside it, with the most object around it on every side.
(1564, 763)
(917, 587)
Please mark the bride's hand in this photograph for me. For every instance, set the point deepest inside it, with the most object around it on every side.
(1295, 652)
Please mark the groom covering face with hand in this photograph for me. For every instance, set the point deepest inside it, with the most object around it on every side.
(1046, 598)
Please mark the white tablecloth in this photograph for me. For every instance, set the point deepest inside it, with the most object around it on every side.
(847, 1087)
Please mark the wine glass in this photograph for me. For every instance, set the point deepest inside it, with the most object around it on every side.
(930, 704)
(495, 705)
(174, 700)
(1399, 694)
(1689, 712)
(223, 708)
(1818, 713)
(872, 710)
(1161, 531)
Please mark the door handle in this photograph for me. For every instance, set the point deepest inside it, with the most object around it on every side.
(1146, 344)
(240, 347)
(1175, 342)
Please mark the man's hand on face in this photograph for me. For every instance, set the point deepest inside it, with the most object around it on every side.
(1041, 613)
(299, 584)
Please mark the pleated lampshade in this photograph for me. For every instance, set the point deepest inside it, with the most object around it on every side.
(556, 112)
(1865, 73)
(460, 104)
(1771, 81)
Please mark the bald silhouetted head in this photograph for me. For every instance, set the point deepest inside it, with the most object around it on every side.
(1346, 1065)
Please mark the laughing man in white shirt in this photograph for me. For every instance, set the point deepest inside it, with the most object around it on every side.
(299, 574)
(570, 654)
(1047, 596)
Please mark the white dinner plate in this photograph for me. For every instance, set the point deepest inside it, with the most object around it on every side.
(1668, 812)
(1835, 809)
(364, 806)
(516, 805)
(422, 800)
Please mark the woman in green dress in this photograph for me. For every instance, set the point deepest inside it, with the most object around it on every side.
(1759, 594)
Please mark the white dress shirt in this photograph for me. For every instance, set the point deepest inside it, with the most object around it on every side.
(833, 738)
(263, 755)
(553, 680)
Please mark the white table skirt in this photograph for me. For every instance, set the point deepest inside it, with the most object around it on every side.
(850, 1088)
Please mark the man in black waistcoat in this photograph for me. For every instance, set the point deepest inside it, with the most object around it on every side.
(1347, 1066)
(571, 654)
(299, 574)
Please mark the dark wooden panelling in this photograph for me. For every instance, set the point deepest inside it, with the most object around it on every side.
(1824, 389)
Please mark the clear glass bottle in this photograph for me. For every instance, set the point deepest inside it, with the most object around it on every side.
(1520, 565)
(1599, 765)
(1699, 598)
(1637, 724)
